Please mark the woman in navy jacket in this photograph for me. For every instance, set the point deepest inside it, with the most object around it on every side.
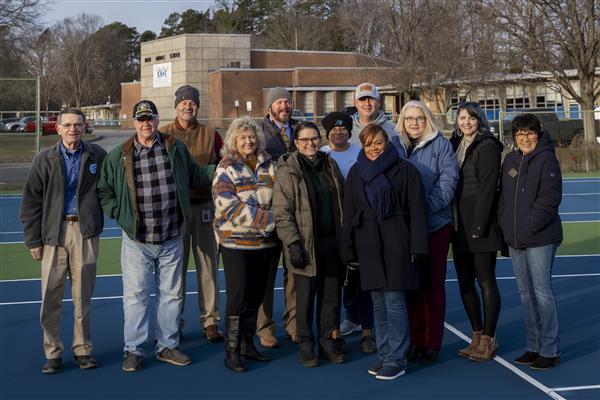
(476, 237)
(420, 142)
(528, 215)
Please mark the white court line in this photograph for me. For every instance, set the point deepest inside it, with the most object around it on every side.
(528, 378)
(580, 180)
(580, 222)
(17, 303)
(508, 278)
(500, 278)
(120, 229)
(579, 212)
(281, 267)
(581, 194)
(572, 388)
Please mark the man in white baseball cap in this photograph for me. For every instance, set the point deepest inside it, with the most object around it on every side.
(367, 102)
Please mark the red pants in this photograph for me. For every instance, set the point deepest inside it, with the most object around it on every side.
(427, 306)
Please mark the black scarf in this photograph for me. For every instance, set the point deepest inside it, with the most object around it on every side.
(378, 188)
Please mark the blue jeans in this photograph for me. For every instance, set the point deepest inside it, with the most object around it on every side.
(533, 270)
(147, 268)
(391, 326)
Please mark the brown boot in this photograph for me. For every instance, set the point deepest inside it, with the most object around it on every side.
(475, 339)
(486, 350)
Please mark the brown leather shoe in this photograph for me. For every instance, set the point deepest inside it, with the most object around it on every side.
(269, 341)
(213, 334)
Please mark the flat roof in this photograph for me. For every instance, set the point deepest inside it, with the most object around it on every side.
(306, 51)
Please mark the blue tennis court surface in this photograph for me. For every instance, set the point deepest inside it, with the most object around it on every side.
(581, 202)
(576, 282)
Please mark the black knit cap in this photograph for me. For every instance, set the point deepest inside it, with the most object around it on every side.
(187, 92)
(337, 118)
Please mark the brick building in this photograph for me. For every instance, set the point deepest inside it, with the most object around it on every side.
(228, 73)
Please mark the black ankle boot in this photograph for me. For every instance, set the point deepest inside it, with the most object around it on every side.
(233, 361)
(247, 331)
(250, 352)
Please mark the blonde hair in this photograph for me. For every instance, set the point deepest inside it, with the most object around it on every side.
(239, 126)
(430, 124)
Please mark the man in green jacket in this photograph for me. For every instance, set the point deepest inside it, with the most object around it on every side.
(144, 185)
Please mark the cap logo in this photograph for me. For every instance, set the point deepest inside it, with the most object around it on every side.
(365, 88)
(144, 107)
(339, 122)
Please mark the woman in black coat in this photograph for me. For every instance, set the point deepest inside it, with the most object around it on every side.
(528, 215)
(385, 232)
(476, 237)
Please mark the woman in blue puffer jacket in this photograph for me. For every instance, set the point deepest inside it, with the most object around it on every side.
(423, 145)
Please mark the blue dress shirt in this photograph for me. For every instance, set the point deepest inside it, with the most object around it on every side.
(72, 162)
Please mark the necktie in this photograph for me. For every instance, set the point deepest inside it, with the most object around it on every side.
(284, 136)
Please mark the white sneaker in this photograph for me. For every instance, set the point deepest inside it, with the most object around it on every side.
(347, 327)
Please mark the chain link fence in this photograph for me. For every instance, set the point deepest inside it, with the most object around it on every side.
(20, 107)
(573, 151)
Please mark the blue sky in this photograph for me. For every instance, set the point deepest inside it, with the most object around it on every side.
(142, 14)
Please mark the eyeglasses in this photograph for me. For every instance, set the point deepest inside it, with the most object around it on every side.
(410, 120)
(77, 125)
(314, 140)
(523, 135)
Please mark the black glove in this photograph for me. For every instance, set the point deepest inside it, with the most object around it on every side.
(419, 260)
(298, 256)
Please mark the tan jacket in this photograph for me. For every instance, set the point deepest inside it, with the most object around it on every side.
(292, 206)
(204, 145)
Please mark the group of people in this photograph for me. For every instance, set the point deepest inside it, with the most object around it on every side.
(370, 216)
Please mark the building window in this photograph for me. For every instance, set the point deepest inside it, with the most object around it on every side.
(328, 103)
(174, 55)
(147, 59)
(309, 104)
(348, 99)
(159, 58)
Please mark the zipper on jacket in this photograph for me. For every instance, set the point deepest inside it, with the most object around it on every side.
(515, 201)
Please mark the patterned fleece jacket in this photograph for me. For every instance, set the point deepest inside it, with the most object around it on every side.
(243, 198)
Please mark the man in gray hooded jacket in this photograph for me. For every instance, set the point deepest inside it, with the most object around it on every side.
(367, 102)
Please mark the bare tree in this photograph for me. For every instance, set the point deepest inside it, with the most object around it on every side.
(77, 56)
(41, 49)
(19, 13)
(554, 35)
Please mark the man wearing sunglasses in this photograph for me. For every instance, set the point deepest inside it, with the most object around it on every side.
(62, 220)
(144, 185)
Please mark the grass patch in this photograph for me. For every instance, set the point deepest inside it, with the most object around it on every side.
(20, 148)
(580, 238)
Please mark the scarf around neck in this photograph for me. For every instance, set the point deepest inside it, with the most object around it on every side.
(379, 190)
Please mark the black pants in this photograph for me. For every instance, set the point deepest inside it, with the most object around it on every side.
(246, 275)
(480, 266)
(326, 291)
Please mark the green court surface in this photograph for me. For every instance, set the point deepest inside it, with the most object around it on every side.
(16, 263)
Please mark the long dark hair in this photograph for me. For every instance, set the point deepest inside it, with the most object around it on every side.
(474, 110)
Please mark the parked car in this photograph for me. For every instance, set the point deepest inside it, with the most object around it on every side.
(6, 121)
(19, 126)
(563, 132)
(49, 127)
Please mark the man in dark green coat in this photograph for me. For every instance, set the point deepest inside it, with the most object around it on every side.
(144, 185)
